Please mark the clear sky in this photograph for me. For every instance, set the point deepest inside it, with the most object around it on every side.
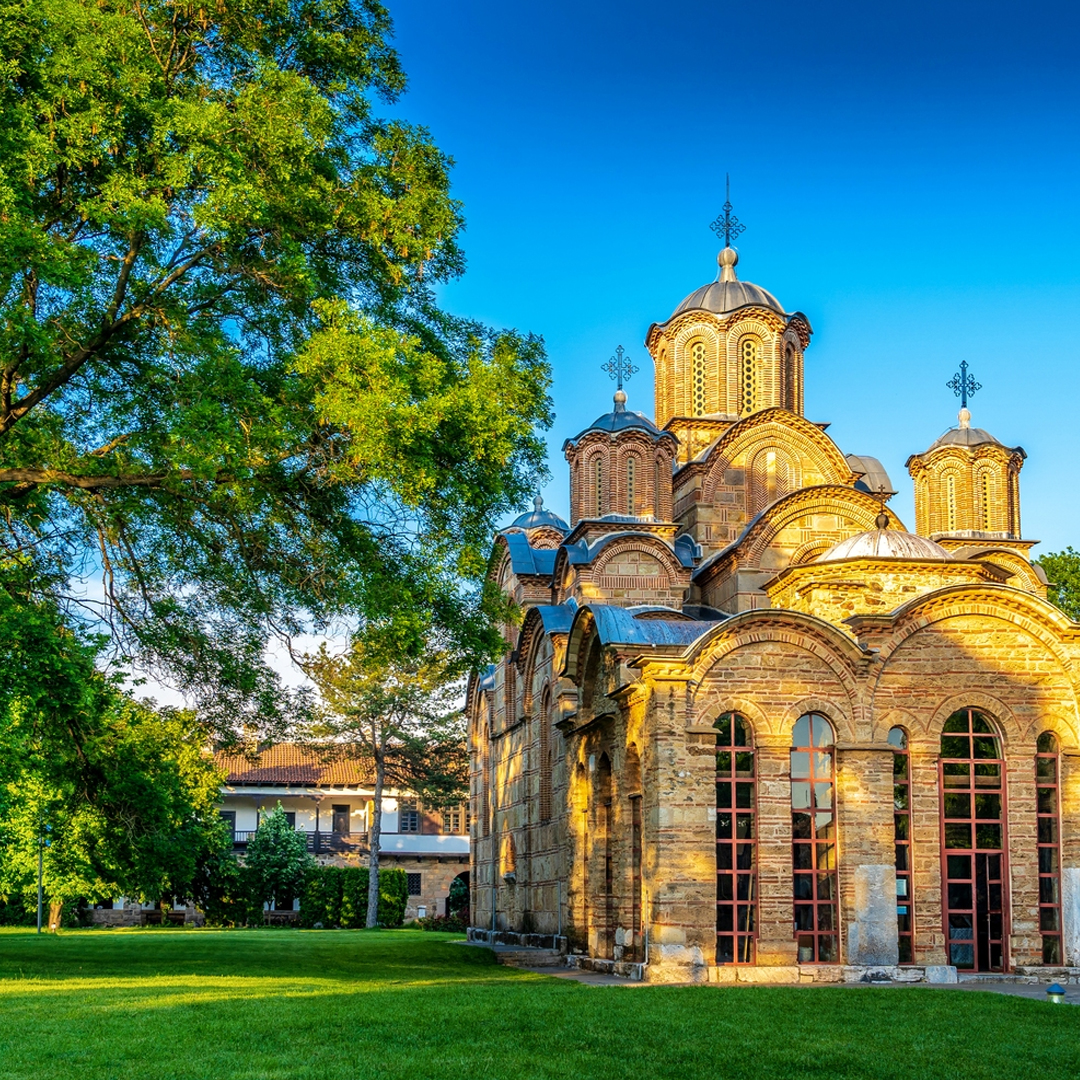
(907, 174)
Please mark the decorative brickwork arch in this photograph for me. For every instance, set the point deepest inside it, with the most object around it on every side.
(856, 509)
(840, 718)
(839, 655)
(650, 546)
(1024, 575)
(776, 428)
(1038, 617)
(810, 551)
(716, 706)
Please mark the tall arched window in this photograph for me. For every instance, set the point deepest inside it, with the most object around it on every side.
(950, 503)
(546, 763)
(905, 914)
(631, 492)
(598, 486)
(987, 504)
(697, 360)
(813, 840)
(789, 378)
(973, 842)
(736, 841)
(1047, 769)
(749, 363)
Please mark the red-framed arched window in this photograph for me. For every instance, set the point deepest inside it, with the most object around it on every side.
(974, 845)
(905, 910)
(813, 840)
(736, 841)
(1048, 811)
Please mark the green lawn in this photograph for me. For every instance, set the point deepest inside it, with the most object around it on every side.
(348, 1005)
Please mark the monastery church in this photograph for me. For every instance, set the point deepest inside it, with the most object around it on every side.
(750, 727)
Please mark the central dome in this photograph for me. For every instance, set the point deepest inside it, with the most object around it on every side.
(885, 544)
(728, 293)
(720, 297)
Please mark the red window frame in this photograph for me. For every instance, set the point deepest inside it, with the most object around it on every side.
(813, 840)
(736, 841)
(974, 868)
(1048, 818)
(905, 900)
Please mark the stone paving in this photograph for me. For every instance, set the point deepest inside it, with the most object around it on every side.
(1034, 992)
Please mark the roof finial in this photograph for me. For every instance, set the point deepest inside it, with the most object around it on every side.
(964, 386)
(620, 368)
(729, 227)
(881, 522)
(538, 504)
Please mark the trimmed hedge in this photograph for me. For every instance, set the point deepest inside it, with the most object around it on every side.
(336, 896)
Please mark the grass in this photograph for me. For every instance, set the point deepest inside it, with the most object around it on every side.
(402, 1005)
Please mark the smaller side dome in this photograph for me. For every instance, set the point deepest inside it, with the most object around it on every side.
(885, 544)
(539, 518)
(964, 434)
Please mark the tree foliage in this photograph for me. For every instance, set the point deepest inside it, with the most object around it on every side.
(398, 714)
(224, 379)
(1062, 570)
(128, 792)
(277, 860)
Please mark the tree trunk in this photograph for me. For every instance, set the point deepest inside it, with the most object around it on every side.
(56, 911)
(373, 840)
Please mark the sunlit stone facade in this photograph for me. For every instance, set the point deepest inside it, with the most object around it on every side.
(750, 728)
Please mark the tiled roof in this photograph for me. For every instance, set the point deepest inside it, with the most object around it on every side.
(288, 763)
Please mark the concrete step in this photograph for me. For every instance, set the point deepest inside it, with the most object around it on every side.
(515, 957)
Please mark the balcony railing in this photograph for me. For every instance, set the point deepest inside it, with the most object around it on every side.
(317, 842)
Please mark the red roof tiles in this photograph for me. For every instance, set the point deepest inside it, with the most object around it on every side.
(288, 763)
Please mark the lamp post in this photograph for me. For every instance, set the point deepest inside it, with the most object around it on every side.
(1055, 994)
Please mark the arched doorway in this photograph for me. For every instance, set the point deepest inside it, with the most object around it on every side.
(974, 845)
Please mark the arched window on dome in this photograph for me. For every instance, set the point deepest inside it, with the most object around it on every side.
(1048, 807)
(950, 503)
(905, 913)
(598, 486)
(699, 382)
(986, 497)
(813, 840)
(736, 841)
(631, 490)
(749, 374)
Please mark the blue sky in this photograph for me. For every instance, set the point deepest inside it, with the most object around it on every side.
(907, 175)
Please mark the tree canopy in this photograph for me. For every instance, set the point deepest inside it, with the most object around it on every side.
(225, 382)
(128, 793)
(1062, 570)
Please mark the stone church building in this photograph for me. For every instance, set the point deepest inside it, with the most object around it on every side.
(750, 727)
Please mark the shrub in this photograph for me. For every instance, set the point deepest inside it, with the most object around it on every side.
(450, 924)
(337, 897)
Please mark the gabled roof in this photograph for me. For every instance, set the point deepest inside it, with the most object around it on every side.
(525, 559)
(288, 763)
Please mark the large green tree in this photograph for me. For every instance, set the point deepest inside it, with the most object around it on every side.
(224, 380)
(128, 793)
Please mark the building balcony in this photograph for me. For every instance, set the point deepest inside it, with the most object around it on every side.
(318, 843)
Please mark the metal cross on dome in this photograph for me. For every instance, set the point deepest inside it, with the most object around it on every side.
(963, 385)
(728, 226)
(619, 368)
